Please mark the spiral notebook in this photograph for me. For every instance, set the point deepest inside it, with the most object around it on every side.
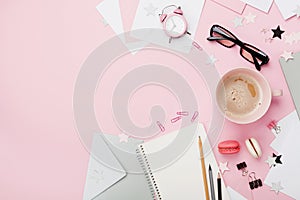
(183, 178)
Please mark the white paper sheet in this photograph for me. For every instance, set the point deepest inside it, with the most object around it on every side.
(111, 12)
(234, 195)
(287, 7)
(287, 145)
(263, 5)
(191, 10)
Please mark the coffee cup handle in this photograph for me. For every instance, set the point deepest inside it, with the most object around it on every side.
(277, 93)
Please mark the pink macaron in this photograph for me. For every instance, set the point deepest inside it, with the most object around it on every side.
(229, 147)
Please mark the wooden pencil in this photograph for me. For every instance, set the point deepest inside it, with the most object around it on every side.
(203, 169)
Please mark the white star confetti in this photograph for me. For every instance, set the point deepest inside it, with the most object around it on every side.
(292, 38)
(97, 176)
(287, 55)
(123, 137)
(250, 18)
(297, 11)
(238, 21)
(211, 60)
(276, 187)
(151, 10)
(223, 167)
(271, 161)
(289, 39)
(104, 22)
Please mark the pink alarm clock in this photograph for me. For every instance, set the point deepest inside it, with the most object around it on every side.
(174, 24)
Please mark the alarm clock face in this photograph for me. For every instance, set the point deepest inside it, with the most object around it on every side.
(175, 26)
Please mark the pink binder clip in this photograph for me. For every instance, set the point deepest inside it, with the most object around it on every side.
(196, 113)
(274, 127)
(160, 126)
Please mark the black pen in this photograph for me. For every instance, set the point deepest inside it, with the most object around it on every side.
(211, 181)
(219, 187)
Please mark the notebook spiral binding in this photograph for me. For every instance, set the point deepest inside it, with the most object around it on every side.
(142, 159)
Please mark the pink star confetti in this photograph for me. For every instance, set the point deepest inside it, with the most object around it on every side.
(123, 138)
(264, 30)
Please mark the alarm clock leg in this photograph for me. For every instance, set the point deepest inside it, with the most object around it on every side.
(170, 39)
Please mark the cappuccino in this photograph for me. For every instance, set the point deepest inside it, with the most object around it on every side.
(242, 95)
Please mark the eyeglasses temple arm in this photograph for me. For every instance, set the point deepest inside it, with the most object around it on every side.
(219, 38)
(257, 65)
(214, 38)
(255, 54)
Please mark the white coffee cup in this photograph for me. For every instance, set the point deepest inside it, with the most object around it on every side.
(244, 95)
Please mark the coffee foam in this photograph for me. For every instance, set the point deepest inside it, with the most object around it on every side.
(242, 95)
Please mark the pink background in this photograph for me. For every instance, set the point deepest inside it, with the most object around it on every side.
(43, 45)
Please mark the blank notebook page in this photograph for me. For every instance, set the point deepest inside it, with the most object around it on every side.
(183, 179)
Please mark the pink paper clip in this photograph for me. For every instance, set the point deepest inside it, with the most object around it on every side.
(175, 119)
(274, 127)
(196, 113)
(183, 113)
(195, 44)
(160, 126)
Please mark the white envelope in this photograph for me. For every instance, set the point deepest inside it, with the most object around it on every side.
(100, 176)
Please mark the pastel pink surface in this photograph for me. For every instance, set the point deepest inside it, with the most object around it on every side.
(44, 43)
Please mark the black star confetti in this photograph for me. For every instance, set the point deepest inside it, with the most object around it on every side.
(277, 160)
(277, 32)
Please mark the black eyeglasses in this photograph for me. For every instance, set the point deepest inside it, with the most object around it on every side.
(249, 52)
